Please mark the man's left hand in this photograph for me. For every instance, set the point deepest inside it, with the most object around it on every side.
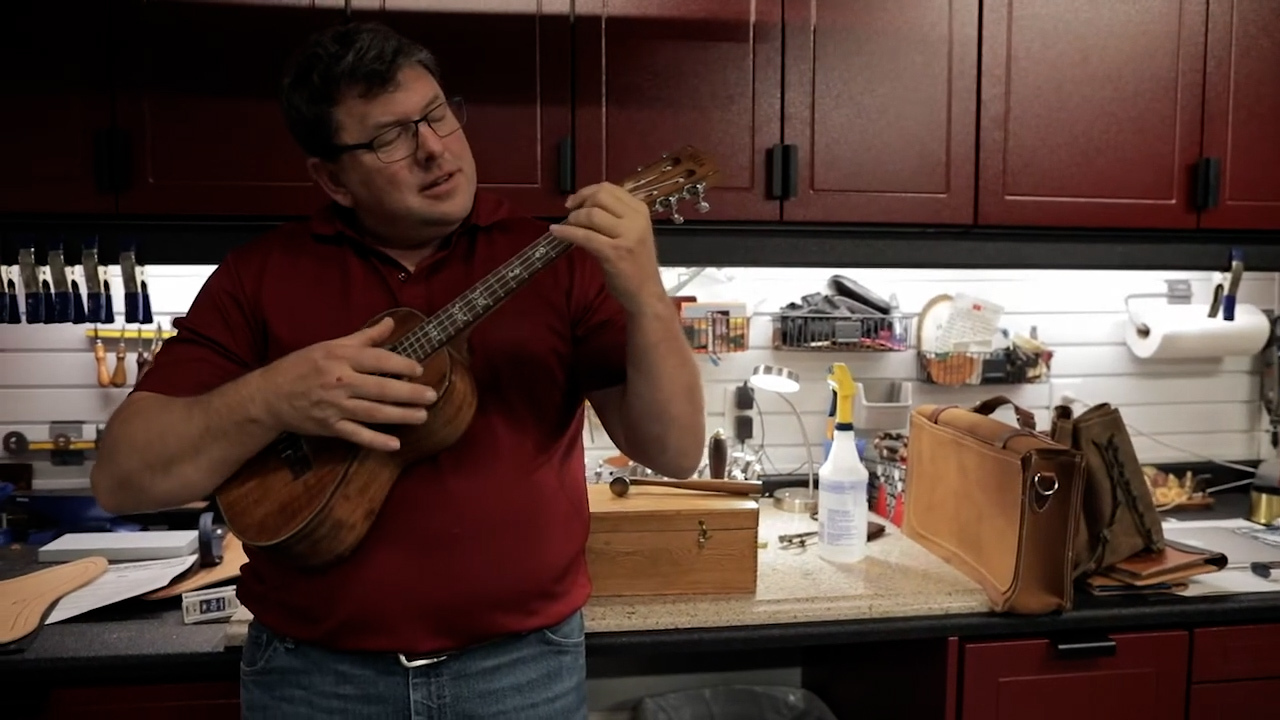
(614, 226)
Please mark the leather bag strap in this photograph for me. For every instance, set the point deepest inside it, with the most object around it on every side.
(1026, 420)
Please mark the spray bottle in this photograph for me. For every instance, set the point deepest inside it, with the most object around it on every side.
(842, 481)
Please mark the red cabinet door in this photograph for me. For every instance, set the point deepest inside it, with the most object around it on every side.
(510, 62)
(881, 103)
(202, 111)
(654, 75)
(55, 125)
(1090, 112)
(1242, 113)
(198, 98)
(1233, 701)
(1141, 676)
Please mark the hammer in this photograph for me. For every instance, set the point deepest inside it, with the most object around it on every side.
(621, 485)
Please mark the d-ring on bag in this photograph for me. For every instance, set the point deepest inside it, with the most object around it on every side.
(997, 502)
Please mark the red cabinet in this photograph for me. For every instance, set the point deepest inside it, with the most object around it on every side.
(1140, 676)
(655, 75)
(509, 61)
(56, 120)
(881, 103)
(1090, 112)
(200, 86)
(1142, 114)
(1242, 113)
(198, 107)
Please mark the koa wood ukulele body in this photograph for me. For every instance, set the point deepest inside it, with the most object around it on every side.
(310, 500)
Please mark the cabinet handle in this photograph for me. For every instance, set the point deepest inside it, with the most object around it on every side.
(567, 184)
(1085, 648)
(791, 166)
(773, 172)
(1208, 183)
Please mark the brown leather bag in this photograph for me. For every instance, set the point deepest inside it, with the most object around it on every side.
(999, 503)
(1120, 518)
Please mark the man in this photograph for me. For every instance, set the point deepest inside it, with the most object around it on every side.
(464, 597)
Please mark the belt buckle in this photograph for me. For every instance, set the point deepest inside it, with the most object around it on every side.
(429, 660)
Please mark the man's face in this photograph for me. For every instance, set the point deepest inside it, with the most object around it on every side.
(420, 197)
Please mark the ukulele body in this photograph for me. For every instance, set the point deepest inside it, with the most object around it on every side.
(310, 500)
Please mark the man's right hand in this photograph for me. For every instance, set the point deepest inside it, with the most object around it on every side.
(332, 388)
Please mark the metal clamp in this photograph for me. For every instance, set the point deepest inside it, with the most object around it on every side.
(1178, 293)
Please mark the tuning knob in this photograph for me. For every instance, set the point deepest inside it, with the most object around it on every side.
(676, 217)
(702, 206)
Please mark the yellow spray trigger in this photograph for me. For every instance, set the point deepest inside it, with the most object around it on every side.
(840, 380)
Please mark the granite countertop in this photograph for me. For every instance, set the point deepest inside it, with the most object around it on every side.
(897, 578)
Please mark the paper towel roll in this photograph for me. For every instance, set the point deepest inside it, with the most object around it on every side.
(1176, 332)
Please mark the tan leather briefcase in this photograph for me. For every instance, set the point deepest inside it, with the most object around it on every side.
(997, 502)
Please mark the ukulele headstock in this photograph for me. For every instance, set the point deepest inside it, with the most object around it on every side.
(681, 175)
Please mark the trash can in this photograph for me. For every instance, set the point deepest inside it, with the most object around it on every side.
(734, 702)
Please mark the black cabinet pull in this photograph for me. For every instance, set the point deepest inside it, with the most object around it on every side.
(773, 173)
(567, 184)
(1084, 648)
(791, 163)
(1208, 183)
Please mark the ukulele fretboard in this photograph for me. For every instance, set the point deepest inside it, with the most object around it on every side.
(482, 298)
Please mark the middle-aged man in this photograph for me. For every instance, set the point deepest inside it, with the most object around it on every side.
(464, 599)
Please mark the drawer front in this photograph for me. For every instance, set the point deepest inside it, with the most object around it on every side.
(1244, 652)
(1138, 676)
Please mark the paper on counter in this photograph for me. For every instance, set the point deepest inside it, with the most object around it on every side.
(1228, 582)
(121, 581)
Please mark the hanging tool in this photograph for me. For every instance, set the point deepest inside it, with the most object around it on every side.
(144, 357)
(129, 275)
(59, 280)
(6, 300)
(98, 303)
(100, 356)
(120, 377)
(30, 281)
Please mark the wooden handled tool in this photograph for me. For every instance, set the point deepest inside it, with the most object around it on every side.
(100, 355)
(120, 376)
(620, 485)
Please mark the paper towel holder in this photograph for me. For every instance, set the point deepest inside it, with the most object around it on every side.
(1178, 292)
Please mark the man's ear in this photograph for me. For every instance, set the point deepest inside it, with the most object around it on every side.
(328, 178)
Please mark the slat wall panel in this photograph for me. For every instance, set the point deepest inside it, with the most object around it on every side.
(1188, 409)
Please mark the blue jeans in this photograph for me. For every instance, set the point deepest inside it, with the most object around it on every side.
(537, 675)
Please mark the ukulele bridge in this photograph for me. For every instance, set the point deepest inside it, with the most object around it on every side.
(292, 450)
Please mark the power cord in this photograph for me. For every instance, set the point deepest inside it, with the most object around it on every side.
(1073, 400)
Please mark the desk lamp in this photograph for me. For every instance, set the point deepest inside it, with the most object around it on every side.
(784, 381)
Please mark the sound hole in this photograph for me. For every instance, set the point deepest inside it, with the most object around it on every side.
(292, 451)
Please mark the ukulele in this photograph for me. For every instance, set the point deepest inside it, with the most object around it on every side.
(309, 500)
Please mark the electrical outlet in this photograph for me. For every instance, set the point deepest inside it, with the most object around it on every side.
(729, 410)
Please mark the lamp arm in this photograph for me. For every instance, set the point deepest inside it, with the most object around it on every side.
(804, 434)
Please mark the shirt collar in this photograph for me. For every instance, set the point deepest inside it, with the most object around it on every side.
(333, 221)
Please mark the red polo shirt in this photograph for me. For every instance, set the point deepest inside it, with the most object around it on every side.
(487, 537)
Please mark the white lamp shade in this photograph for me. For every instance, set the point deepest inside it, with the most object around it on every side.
(775, 379)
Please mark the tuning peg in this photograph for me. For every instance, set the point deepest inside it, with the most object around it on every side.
(702, 206)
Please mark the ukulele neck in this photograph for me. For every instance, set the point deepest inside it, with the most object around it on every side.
(481, 299)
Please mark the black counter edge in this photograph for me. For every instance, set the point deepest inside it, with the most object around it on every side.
(782, 642)
(207, 241)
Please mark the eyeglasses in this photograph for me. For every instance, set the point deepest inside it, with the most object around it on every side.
(399, 142)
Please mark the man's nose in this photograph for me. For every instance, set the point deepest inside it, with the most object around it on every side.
(430, 145)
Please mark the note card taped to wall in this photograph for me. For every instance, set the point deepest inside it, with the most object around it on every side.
(972, 324)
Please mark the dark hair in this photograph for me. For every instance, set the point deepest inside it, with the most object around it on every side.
(362, 57)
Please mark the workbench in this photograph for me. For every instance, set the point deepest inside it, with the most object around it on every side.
(896, 645)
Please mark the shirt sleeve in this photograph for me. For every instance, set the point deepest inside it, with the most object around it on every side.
(219, 339)
(599, 328)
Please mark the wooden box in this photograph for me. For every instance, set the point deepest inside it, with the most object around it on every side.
(663, 541)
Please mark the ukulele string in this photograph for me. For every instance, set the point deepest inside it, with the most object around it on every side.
(476, 302)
